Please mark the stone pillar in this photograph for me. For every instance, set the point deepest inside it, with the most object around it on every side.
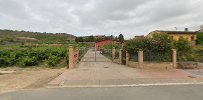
(71, 57)
(174, 58)
(127, 57)
(113, 53)
(120, 56)
(140, 58)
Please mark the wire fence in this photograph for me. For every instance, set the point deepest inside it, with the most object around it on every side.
(117, 53)
(82, 52)
(134, 56)
(106, 52)
(150, 56)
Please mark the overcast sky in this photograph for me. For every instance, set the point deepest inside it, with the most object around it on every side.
(92, 17)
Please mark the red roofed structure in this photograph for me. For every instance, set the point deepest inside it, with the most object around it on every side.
(102, 43)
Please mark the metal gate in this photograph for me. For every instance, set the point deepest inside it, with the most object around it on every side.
(93, 55)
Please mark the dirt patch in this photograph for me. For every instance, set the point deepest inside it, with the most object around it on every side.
(189, 65)
(42, 82)
(24, 78)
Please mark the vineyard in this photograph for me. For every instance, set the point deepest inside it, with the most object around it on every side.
(26, 56)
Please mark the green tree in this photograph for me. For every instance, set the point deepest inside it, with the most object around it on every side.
(91, 39)
(199, 38)
(121, 38)
(182, 45)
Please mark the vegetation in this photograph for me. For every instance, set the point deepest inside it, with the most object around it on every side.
(111, 45)
(121, 38)
(25, 56)
(200, 38)
(93, 38)
(31, 56)
(21, 37)
(159, 43)
(99, 38)
(159, 48)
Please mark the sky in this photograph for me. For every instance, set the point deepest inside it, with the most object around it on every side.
(98, 17)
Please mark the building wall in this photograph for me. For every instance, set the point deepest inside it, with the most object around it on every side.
(189, 37)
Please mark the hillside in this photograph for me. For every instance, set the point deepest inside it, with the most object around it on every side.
(10, 36)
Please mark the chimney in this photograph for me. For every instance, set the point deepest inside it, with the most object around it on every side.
(186, 29)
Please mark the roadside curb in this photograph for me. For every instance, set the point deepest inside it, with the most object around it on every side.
(131, 85)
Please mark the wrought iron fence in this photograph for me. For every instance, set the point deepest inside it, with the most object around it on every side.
(150, 56)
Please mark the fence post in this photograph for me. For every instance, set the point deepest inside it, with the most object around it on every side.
(113, 53)
(120, 56)
(140, 58)
(78, 55)
(127, 57)
(71, 56)
(174, 58)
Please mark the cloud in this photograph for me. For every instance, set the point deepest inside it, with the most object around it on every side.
(91, 17)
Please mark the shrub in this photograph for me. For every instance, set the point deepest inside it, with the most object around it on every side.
(28, 61)
(53, 60)
(158, 43)
(182, 45)
(111, 45)
(199, 38)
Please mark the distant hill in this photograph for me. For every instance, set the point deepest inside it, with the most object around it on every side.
(9, 36)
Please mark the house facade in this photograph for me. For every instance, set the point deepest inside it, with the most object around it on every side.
(176, 35)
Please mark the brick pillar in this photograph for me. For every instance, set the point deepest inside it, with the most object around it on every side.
(127, 57)
(113, 53)
(120, 56)
(140, 58)
(78, 55)
(174, 58)
(71, 56)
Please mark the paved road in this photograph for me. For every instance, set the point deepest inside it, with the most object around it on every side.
(187, 92)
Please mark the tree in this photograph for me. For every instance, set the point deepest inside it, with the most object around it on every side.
(182, 46)
(91, 39)
(200, 38)
(121, 38)
(79, 39)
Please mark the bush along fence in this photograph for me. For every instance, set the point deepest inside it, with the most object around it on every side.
(146, 59)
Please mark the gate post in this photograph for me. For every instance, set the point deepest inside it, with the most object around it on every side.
(95, 56)
(78, 55)
(127, 57)
(113, 53)
(121, 56)
(71, 56)
(174, 58)
(140, 58)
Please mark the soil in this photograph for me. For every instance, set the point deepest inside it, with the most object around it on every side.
(27, 78)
